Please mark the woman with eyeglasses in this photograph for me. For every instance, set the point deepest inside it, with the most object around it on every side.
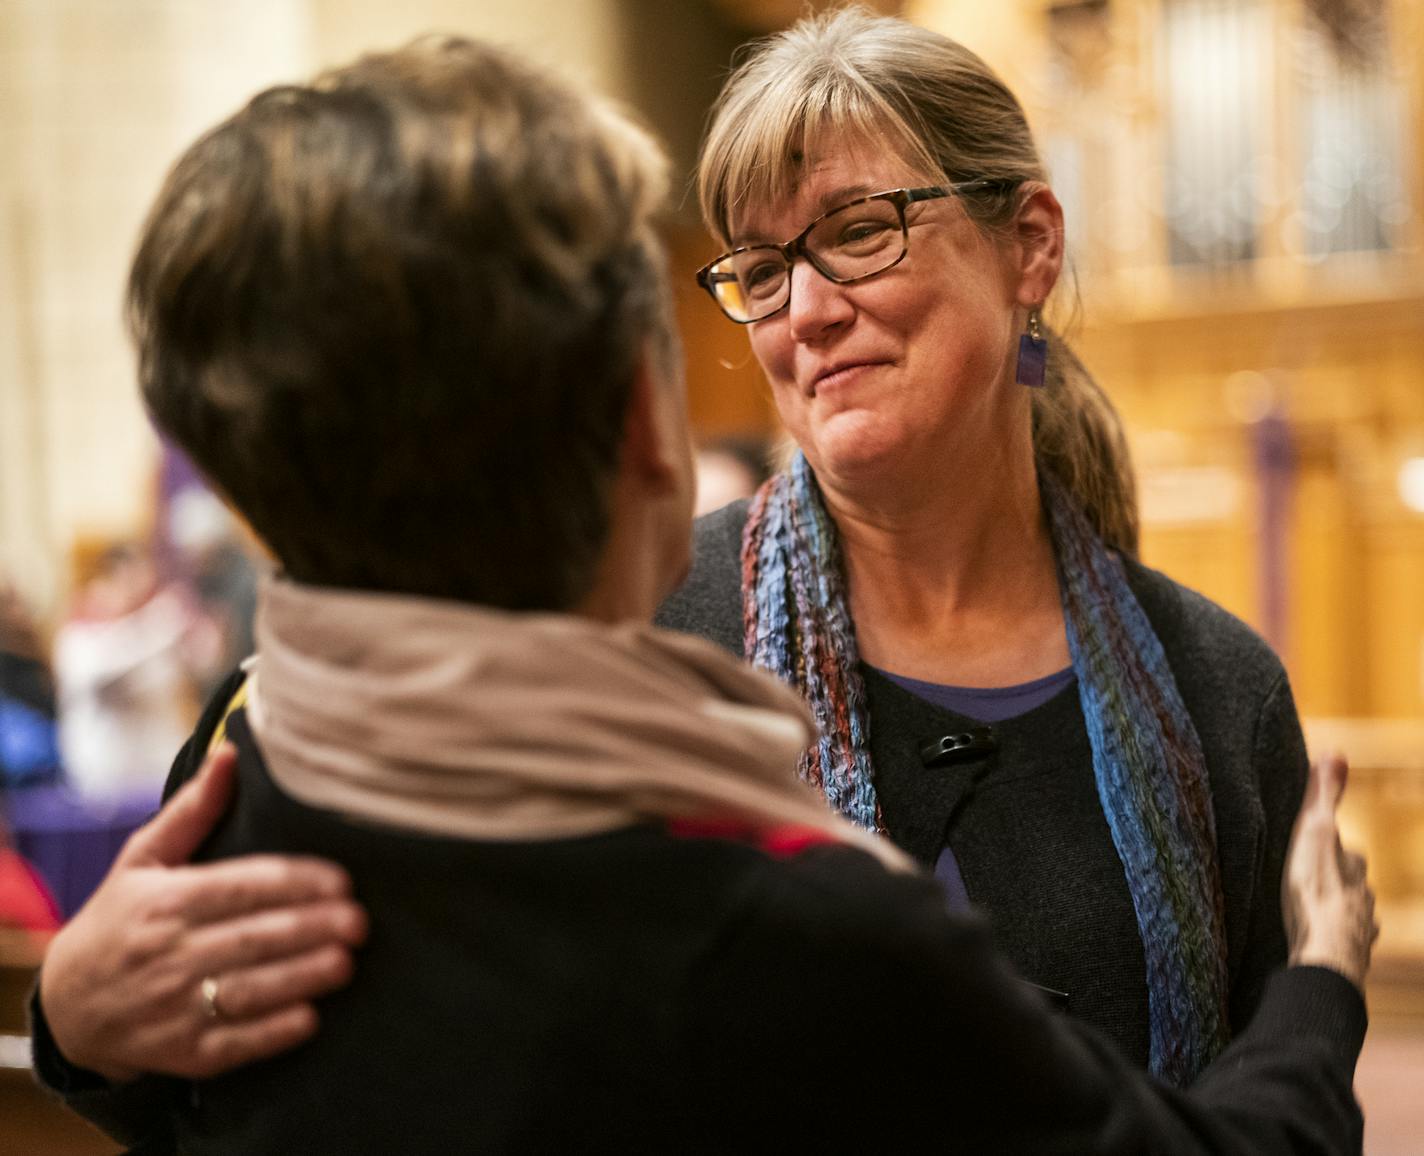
(1105, 763)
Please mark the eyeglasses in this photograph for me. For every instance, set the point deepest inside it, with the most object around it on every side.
(850, 243)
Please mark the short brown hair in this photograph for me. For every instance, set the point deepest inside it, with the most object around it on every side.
(395, 315)
(940, 108)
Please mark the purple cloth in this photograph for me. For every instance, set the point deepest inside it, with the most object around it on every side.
(946, 870)
(987, 704)
(69, 840)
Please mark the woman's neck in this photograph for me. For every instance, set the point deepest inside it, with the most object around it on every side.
(951, 576)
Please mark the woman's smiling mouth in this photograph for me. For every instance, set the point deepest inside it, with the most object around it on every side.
(840, 374)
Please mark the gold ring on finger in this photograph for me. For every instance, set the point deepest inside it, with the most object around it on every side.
(208, 990)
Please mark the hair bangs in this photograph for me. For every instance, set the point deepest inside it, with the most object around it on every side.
(783, 112)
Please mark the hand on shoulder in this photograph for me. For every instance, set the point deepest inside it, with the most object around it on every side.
(123, 986)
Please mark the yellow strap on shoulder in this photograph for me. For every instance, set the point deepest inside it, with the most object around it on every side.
(238, 700)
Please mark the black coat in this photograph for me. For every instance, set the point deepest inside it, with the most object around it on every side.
(644, 992)
(1025, 822)
(640, 991)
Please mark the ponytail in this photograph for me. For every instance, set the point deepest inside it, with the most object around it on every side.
(1078, 438)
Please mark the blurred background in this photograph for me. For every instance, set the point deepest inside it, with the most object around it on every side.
(1244, 187)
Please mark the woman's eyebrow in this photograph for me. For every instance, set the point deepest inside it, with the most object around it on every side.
(834, 198)
(824, 203)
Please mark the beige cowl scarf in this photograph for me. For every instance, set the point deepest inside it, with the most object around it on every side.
(454, 719)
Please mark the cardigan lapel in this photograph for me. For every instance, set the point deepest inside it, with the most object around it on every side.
(916, 802)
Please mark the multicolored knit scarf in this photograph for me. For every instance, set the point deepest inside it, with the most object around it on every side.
(1147, 759)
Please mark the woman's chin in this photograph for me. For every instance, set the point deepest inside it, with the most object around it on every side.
(858, 449)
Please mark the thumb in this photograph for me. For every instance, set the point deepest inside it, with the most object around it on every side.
(1327, 784)
(171, 836)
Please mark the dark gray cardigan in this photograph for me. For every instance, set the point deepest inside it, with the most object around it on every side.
(1025, 822)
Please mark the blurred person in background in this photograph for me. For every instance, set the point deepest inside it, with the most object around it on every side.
(605, 914)
(121, 664)
(124, 700)
(29, 754)
(29, 748)
(728, 469)
(219, 575)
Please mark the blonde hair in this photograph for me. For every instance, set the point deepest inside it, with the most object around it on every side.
(939, 107)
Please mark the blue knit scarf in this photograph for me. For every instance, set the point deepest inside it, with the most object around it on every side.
(1147, 759)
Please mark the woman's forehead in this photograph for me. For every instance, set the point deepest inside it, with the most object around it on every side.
(830, 173)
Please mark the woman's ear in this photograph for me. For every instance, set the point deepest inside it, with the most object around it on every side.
(1038, 230)
(654, 431)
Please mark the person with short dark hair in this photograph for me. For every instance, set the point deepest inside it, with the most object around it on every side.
(412, 320)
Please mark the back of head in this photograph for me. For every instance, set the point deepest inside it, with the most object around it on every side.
(395, 315)
(853, 76)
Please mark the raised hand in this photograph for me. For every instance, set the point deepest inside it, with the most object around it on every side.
(1328, 905)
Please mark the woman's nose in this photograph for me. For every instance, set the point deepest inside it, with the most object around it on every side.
(817, 304)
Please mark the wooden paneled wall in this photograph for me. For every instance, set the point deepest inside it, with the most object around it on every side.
(1348, 378)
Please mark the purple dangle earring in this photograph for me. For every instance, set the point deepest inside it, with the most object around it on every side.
(1033, 353)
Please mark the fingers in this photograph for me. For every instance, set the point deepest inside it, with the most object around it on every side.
(275, 933)
(265, 1010)
(1353, 868)
(1317, 837)
(236, 887)
(1326, 898)
(187, 818)
(1325, 785)
(1333, 771)
(225, 1045)
(259, 992)
(122, 983)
